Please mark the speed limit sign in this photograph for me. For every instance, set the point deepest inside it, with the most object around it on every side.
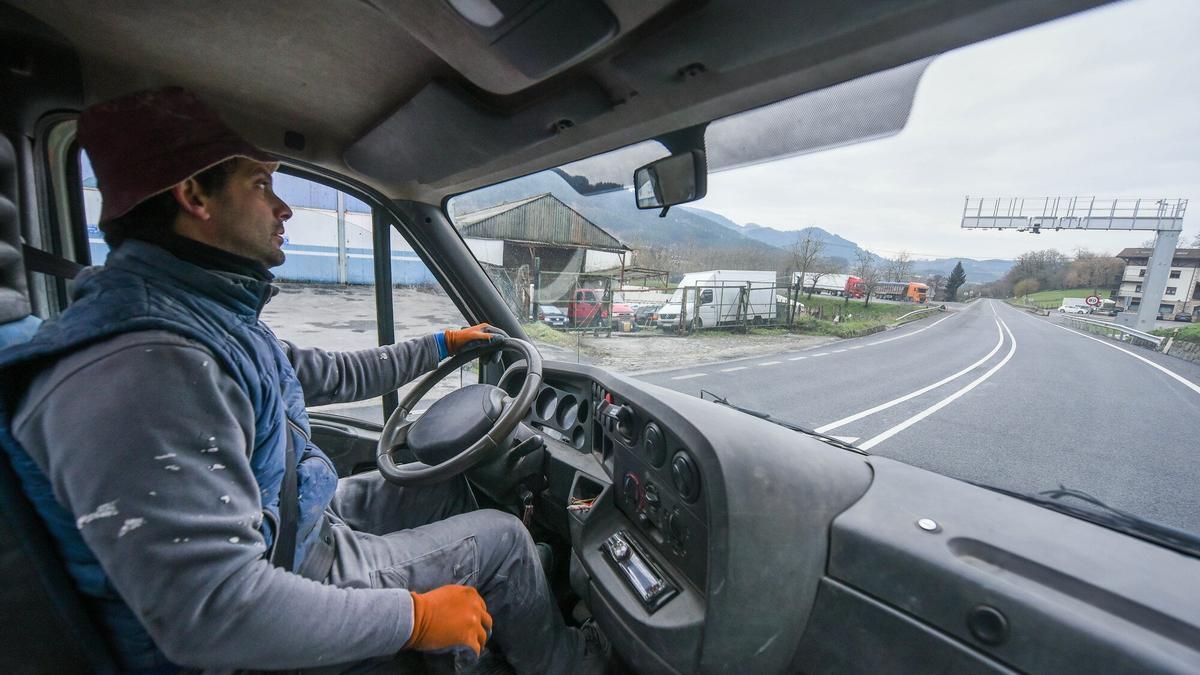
(1093, 301)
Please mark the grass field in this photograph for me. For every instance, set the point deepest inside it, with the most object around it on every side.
(1052, 299)
(1189, 334)
(855, 316)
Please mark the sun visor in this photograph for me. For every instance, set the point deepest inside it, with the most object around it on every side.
(862, 109)
(442, 132)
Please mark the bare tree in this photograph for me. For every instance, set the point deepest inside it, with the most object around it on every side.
(1196, 241)
(866, 269)
(822, 268)
(1094, 270)
(937, 287)
(806, 259)
(805, 254)
(900, 268)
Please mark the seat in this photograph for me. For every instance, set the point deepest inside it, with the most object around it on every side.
(45, 625)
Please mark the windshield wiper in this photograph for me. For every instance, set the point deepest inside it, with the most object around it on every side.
(786, 425)
(1111, 517)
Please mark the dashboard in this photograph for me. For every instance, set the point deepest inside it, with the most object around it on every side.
(707, 540)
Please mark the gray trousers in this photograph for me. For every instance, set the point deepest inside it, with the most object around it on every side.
(420, 538)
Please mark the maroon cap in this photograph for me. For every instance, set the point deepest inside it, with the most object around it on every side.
(144, 143)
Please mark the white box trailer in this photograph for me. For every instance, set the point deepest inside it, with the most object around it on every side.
(829, 284)
(718, 297)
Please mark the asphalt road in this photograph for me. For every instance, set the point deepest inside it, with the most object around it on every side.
(995, 395)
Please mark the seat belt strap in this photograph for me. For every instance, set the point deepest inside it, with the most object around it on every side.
(289, 510)
(37, 260)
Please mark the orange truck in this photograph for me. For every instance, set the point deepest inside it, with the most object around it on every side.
(902, 290)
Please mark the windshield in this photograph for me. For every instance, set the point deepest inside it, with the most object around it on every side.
(945, 264)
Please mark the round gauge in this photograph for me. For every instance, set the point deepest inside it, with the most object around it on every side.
(654, 446)
(685, 476)
(568, 411)
(579, 438)
(546, 404)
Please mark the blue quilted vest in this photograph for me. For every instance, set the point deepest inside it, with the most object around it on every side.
(142, 287)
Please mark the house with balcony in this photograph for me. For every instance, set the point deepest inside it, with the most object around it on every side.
(1182, 294)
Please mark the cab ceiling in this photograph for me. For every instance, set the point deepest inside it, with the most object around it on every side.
(414, 100)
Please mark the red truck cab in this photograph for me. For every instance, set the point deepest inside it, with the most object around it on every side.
(587, 307)
(855, 288)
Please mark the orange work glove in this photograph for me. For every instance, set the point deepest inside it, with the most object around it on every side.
(449, 616)
(456, 340)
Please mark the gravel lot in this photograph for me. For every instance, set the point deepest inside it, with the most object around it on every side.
(649, 351)
(343, 318)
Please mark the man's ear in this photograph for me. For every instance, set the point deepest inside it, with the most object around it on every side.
(191, 199)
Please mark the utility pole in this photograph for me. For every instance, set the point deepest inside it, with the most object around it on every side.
(1164, 217)
(343, 259)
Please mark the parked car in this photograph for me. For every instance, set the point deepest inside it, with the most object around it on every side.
(621, 313)
(644, 315)
(552, 316)
(1074, 309)
(1183, 316)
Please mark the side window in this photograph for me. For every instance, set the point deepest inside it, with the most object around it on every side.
(327, 284)
(91, 210)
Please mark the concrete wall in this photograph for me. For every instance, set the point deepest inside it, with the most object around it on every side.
(1188, 351)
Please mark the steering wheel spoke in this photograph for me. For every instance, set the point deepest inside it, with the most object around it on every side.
(397, 429)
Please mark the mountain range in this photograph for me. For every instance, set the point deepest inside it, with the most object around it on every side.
(686, 226)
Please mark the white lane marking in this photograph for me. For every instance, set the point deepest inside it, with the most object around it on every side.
(856, 347)
(770, 363)
(838, 351)
(797, 358)
(847, 439)
(1186, 382)
(867, 445)
(688, 377)
(730, 370)
(821, 354)
(896, 401)
(901, 337)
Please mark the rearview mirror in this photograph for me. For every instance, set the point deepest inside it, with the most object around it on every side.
(671, 180)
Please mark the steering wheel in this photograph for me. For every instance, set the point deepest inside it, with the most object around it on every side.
(461, 429)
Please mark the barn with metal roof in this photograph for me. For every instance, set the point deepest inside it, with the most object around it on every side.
(511, 235)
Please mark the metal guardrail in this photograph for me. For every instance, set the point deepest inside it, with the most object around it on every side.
(917, 311)
(1134, 337)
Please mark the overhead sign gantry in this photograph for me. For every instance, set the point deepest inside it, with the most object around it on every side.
(1164, 217)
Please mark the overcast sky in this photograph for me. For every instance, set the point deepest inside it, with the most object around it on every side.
(1103, 103)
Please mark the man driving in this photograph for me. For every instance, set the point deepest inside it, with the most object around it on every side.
(159, 428)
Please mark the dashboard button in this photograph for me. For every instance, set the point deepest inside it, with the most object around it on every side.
(654, 445)
(685, 476)
(651, 496)
(631, 490)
